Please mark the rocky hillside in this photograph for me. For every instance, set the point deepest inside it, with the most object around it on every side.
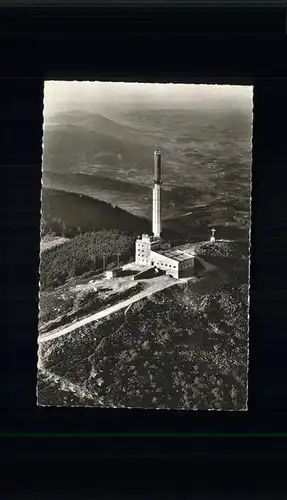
(185, 348)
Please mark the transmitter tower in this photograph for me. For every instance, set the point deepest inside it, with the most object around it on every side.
(156, 195)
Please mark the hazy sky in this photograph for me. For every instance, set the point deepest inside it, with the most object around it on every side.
(111, 97)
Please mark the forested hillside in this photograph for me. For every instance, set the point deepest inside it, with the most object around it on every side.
(69, 214)
(94, 229)
(75, 181)
(83, 254)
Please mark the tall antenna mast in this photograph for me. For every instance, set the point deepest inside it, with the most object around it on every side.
(156, 195)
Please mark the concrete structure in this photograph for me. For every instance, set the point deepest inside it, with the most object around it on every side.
(171, 260)
(156, 195)
(144, 245)
(151, 251)
(113, 273)
(145, 274)
(212, 238)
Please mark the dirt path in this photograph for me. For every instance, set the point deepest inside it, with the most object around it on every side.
(160, 284)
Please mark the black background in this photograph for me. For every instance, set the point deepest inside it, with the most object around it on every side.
(143, 43)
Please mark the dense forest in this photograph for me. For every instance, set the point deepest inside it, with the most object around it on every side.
(73, 181)
(69, 214)
(94, 228)
(82, 254)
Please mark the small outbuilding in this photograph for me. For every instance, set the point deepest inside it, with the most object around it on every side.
(113, 273)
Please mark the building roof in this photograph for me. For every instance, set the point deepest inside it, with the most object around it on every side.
(175, 254)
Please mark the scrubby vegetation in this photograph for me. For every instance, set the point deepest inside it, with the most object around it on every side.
(182, 348)
(83, 254)
(85, 304)
(53, 304)
(60, 391)
(221, 248)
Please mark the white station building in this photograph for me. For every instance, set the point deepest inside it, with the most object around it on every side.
(149, 250)
(172, 261)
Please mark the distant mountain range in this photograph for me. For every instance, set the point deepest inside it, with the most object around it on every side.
(93, 122)
(78, 141)
(206, 163)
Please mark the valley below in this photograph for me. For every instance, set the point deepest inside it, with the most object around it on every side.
(206, 163)
(184, 345)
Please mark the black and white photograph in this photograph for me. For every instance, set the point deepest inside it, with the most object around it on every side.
(145, 246)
